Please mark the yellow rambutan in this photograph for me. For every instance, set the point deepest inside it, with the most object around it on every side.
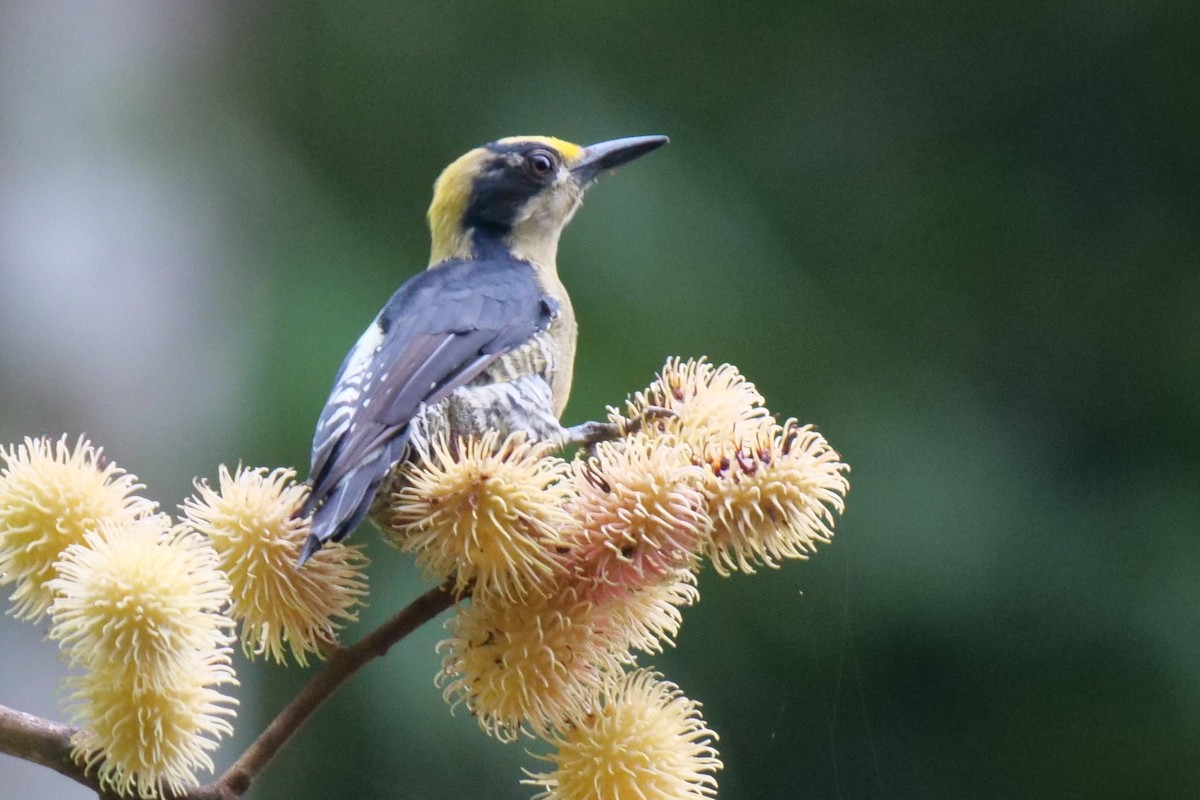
(530, 665)
(645, 740)
(51, 495)
(138, 606)
(489, 512)
(248, 518)
(640, 511)
(648, 617)
(156, 737)
(773, 496)
(139, 595)
(707, 403)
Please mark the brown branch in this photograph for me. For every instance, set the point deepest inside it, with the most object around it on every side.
(48, 743)
(40, 741)
(342, 664)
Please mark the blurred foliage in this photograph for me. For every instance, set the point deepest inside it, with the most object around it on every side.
(960, 238)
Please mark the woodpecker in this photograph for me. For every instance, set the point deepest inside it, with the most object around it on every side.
(484, 339)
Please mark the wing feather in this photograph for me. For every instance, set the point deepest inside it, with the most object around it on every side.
(439, 331)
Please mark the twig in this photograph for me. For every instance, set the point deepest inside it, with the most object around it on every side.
(40, 741)
(342, 664)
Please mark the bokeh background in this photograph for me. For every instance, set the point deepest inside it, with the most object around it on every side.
(961, 238)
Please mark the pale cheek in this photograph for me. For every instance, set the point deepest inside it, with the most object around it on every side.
(552, 210)
(569, 200)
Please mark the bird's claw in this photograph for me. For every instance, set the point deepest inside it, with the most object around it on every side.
(587, 434)
(649, 414)
(590, 434)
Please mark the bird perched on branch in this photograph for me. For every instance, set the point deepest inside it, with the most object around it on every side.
(482, 340)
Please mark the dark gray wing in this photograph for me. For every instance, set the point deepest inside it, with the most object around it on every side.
(440, 330)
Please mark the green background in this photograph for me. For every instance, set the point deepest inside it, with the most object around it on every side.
(961, 238)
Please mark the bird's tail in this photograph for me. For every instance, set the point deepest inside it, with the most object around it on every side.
(336, 518)
(346, 504)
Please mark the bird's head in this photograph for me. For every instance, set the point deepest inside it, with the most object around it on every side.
(515, 195)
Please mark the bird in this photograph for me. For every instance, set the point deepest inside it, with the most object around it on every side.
(482, 340)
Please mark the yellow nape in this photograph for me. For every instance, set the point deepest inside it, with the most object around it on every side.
(452, 193)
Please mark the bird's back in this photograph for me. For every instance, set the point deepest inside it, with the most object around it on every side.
(445, 330)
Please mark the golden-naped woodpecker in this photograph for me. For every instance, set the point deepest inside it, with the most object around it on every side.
(483, 340)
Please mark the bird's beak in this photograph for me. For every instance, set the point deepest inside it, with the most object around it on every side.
(603, 156)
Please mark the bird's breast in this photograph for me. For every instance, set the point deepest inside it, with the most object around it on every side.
(559, 341)
(548, 354)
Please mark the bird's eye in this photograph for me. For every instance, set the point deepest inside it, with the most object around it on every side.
(540, 163)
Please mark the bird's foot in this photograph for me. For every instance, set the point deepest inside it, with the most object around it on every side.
(589, 434)
(649, 414)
